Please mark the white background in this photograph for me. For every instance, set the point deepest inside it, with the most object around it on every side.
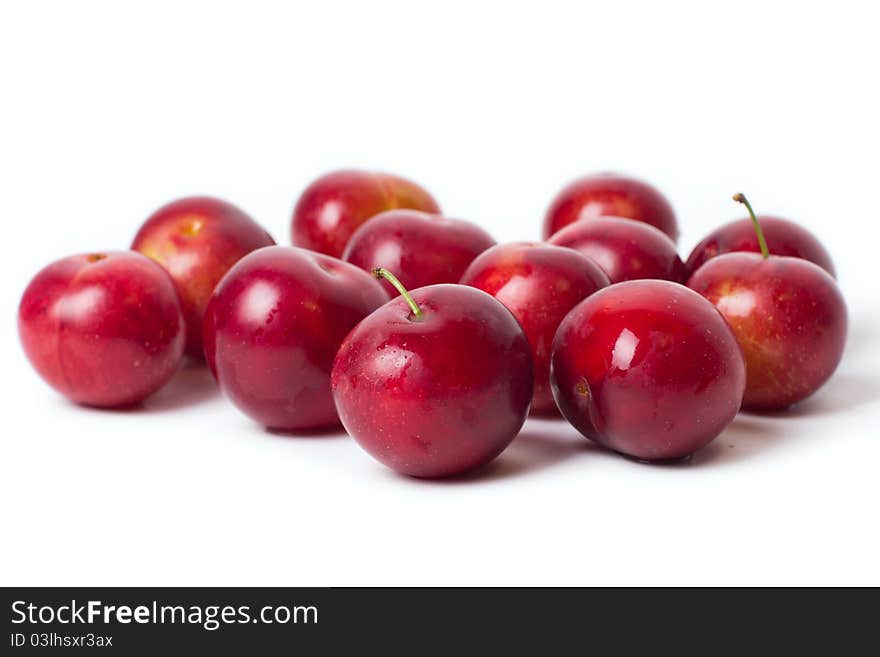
(109, 111)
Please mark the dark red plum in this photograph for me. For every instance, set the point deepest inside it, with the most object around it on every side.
(647, 368)
(272, 329)
(103, 329)
(332, 207)
(539, 283)
(197, 240)
(610, 195)
(420, 248)
(436, 383)
(625, 249)
(788, 315)
(784, 238)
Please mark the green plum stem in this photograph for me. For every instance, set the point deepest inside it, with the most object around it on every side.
(381, 272)
(741, 198)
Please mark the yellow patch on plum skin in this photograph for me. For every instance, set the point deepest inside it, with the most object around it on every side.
(191, 226)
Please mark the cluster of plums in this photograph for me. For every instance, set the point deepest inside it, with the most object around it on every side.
(643, 353)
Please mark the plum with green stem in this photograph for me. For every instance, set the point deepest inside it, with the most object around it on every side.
(788, 315)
